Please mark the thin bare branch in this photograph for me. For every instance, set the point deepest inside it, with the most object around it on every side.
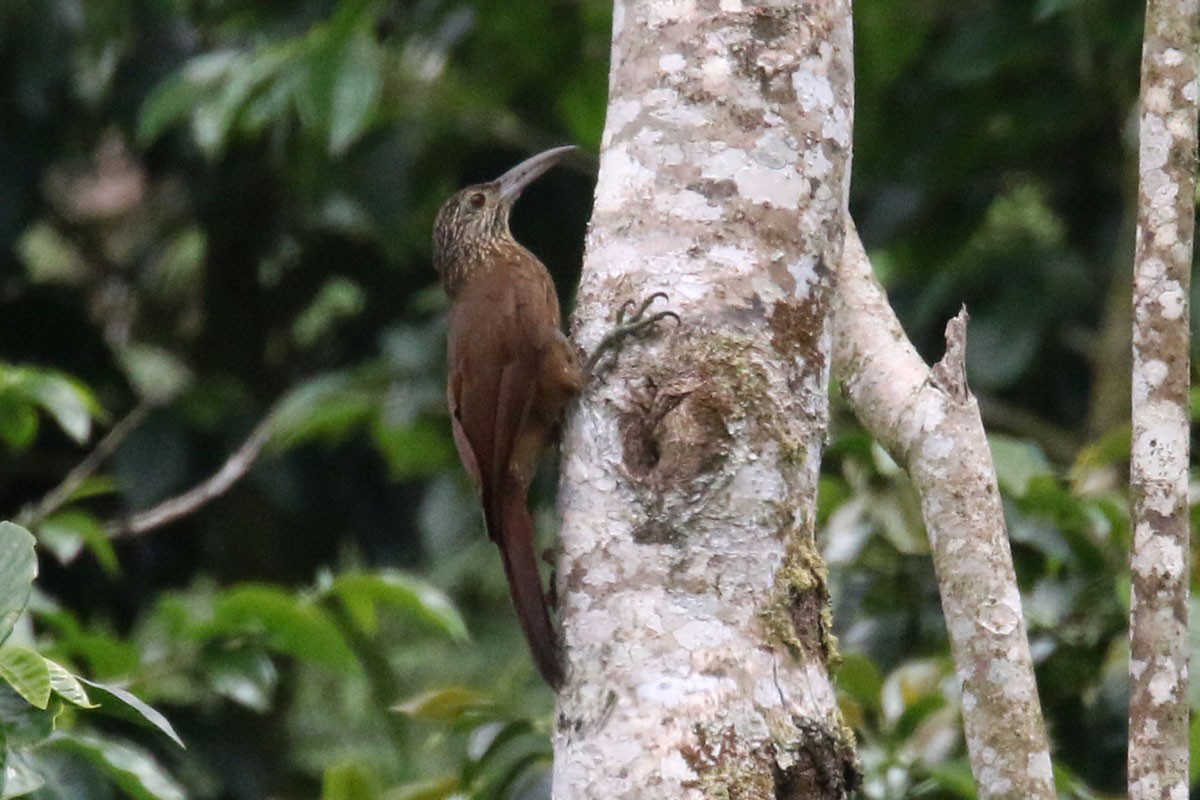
(929, 421)
(1158, 666)
(168, 511)
(61, 494)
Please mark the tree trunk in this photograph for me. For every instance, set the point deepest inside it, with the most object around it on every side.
(693, 599)
(929, 421)
(1158, 468)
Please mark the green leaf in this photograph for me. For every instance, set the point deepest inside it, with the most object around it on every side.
(18, 568)
(94, 486)
(66, 400)
(954, 777)
(487, 742)
(213, 121)
(170, 103)
(431, 789)
(24, 724)
(1066, 782)
(287, 623)
(446, 705)
(156, 374)
(131, 768)
(349, 15)
(1037, 531)
(66, 533)
(418, 601)
(68, 686)
(416, 450)
(326, 407)
(121, 703)
(18, 422)
(63, 542)
(861, 679)
(339, 299)
(912, 691)
(175, 273)
(1113, 447)
(502, 786)
(71, 405)
(355, 91)
(21, 776)
(27, 673)
(1194, 739)
(1018, 462)
(349, 780)
(245, 675)
(313, 94)
(104, 653)
(51, 257)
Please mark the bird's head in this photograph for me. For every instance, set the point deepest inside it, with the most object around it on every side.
(474, 220)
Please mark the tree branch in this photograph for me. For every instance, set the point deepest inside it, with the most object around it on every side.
(53, 500)
(234, 468)
(1158, 666)
(929, 422)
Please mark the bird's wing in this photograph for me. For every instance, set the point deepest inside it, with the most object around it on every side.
(466, 454)
(494, 358)
(495, 354)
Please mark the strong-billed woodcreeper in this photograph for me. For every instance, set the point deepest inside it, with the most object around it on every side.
(511, 374)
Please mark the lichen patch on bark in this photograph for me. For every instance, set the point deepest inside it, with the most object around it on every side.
(799, 617)
(728, 767)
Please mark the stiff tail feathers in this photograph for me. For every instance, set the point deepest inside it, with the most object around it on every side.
(511, 527)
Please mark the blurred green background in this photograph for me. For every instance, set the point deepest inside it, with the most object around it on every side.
(212, 211)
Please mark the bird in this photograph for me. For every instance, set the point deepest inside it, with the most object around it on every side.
(511, 374)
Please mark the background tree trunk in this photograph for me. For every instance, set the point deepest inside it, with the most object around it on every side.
(929, 421)
(1158, 468)
(693, 599)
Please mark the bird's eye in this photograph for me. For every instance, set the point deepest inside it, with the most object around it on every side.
(477, 200)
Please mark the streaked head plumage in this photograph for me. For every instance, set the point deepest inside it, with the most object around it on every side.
(474, 221)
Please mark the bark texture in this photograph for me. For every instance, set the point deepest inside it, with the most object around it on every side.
(1158, 666)
(694, 603)
(929, 422)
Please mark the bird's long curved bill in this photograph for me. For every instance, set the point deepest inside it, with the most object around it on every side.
(513, 182)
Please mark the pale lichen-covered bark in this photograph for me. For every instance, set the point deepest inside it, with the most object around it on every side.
(929, 422)
(693, 601)
(1158, 666)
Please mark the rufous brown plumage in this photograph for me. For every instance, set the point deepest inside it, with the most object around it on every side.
(511, 374)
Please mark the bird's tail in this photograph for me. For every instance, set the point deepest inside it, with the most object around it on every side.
(514, 534)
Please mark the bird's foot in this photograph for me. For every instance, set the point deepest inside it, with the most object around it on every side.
(632, 320)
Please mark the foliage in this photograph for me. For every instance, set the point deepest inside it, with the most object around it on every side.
(214, 213)
(502, 745)
(35, 726)
(26, 391)
(1070, 538)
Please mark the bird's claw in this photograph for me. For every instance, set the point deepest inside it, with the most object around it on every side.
(639, 318)
(629, 324)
